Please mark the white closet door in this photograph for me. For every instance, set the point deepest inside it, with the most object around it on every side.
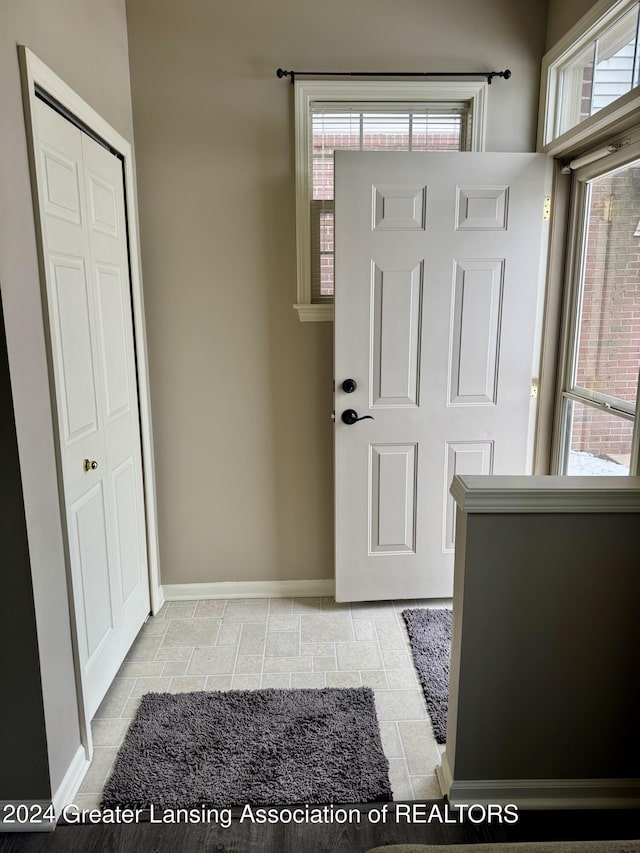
(81, 201)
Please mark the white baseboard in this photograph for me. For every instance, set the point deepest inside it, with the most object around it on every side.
(249, 589)
(16, 814)
(544, 793)
(71, 782)
(157, 599)
(443, 775)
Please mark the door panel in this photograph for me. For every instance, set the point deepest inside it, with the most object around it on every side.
(89, 546)
(113, 331)
(393, 498)
(71, 319)
(475, 340)
(439, 260)
(396, 341)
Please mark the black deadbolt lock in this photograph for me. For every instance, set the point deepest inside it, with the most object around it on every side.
(349, 386)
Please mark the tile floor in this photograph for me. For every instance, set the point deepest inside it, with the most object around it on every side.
(280, 642)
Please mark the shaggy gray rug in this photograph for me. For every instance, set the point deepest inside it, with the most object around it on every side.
(261, 747)
(430, 638)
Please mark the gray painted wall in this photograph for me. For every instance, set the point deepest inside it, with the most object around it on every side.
(24, 769)
(549, 648)
(235, 377)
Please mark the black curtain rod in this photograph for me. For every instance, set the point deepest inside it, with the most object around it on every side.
(488, 74)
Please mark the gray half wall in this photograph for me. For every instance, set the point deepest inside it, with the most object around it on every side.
(550, 649)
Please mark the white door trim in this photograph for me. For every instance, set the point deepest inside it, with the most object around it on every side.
(35, 73)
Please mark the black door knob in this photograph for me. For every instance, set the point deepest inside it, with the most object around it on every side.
(350, 416)
(349, 386)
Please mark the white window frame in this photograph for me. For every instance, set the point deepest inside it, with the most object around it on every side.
(566, 391)
(307, 92)
(590, 27)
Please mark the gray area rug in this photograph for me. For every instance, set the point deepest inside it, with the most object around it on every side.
(261, 747)
(519, 847)
(430, 638)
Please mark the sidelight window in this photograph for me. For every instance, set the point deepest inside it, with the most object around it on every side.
(600, 388)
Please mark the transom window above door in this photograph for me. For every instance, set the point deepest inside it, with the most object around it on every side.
(590, 77)
(365, 116)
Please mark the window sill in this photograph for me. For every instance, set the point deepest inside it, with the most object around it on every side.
(314, 313)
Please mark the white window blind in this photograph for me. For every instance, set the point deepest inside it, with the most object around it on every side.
(368, 127)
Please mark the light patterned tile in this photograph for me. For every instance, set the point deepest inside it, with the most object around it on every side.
(400, 782)
(396, 659)
(212, 607)
(153, 627)
(287, 665)
(144, 648)
(375, 678)
(150, 685)
(389, 634)
(279, 680)
(343, 679)
(352, 656)
(229, 635)
(402, 679)
(390, 737)
(180, 609)
(280, 606)
(400, 705)
(131, 708)
(140, 668)
(256, 611)
(318, 650)
(216, 660)
(218, 682)
(307, 679)
(283, 644)
(175, 667)
(329, 627)
(364, 629)
(283, 623)
(419, 746)
(248, 663)
(369, 610)
(187, 684)
(109, 732)
(426, 787)
(246, 681)
(116, 698)
(191, 632)
(174, 653)
(98, 772)
(324, 664)
(252, 639)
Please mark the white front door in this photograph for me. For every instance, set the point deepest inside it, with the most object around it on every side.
(439, 263)
(82, 213)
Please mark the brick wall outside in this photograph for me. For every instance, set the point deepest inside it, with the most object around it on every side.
(609, 347)
(322, 175)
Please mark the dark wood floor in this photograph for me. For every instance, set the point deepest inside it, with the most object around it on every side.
(356, 837)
